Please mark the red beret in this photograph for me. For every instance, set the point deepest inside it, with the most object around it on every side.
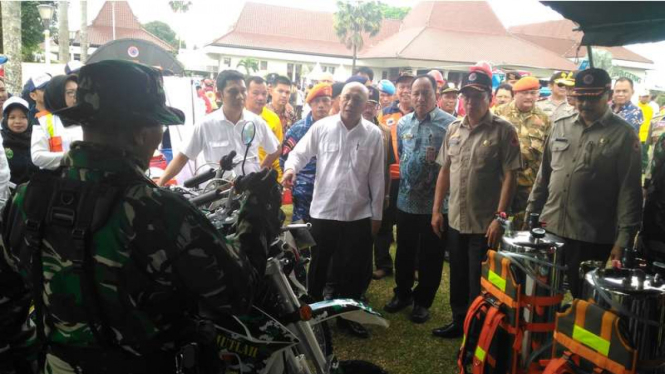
(526, 84)
(321, 89)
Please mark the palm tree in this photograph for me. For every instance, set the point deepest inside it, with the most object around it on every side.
(353, 19)
(11, 31)
(248, 64)
(181, 7)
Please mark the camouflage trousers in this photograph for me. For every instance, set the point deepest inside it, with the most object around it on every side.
(518, 207)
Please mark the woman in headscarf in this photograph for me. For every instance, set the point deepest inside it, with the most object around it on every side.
(52, 138)
(16, 134)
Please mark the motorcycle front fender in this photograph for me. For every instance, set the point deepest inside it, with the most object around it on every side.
(352, 310)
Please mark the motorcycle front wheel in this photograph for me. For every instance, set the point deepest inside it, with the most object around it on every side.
(359, 367)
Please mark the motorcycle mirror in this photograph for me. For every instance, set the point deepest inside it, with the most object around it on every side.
(248, 133)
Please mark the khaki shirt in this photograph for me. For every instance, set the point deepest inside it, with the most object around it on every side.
(589, 185)
(555, 111)
(532, 129)
(478, 158)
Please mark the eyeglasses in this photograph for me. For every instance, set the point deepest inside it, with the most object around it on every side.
(561, 85)
(70, 93)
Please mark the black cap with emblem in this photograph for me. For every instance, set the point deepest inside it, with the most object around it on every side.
(592, 82)
(476, 80)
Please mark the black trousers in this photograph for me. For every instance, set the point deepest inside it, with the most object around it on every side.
(575, 252)
(350, 243)
(384, 238)
(415, 239)
(467, 252)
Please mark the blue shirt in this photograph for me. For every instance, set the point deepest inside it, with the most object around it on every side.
(303, 187)
(418, 144)
(632, 114)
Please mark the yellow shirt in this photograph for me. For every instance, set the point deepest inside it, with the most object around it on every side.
(647, 112)
(276, 127)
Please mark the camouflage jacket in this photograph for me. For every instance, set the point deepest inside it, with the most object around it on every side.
(532, 127)
(154, 258)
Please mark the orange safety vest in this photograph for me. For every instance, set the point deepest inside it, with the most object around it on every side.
(494, 325)
(391, 120)
(587, 336)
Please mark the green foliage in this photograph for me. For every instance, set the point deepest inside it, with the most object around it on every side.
(32, 30)
(353, 19)
(602, 59)
(249, 64)
(162, 31)
(660, 100)
(394, 12)
(180, 6)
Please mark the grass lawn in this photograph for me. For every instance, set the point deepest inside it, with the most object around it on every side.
(404, 347)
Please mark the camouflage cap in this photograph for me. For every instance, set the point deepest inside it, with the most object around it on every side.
(121, 93)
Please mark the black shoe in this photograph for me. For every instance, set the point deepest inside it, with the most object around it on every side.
(452, 330)
(353, 328)
(420, 314)
(397, 304)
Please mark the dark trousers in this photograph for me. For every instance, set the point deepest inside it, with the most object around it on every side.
(575, 252)
(384, 238)
(467, 252)
(415, 239)
(350, 243)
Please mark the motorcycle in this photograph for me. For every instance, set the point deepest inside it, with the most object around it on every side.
(284, 332)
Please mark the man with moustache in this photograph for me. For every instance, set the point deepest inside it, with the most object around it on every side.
(448, 100)
(556, 105)
(588, 189)
(257, 95)
(389, 118)
(220, 132)
(347, 204)
(479, 161)
(533, 126)
(319, 99)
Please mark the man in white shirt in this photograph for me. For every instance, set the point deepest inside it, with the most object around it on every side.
(220, 132)
(348, 195)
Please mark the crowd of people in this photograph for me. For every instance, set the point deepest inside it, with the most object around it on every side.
(438, 161)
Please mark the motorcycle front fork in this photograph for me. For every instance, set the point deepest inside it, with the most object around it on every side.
(308, 345)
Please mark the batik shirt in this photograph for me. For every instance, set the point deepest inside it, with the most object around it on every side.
(418, 143)
(303, 187)
(631, 113)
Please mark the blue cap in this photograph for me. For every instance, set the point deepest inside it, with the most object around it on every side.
(387, 86)
(38, 82)
(357, 78)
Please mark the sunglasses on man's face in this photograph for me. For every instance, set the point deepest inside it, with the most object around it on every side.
(561, 85)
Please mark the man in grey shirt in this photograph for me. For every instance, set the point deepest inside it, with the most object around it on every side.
(589, 184)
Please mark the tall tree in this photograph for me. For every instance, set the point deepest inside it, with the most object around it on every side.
(63, 30)
(181, 7)
(83, 34)
(163, 31)
(32, 29)
(249, 64)
(11, 43)
(394, 12)
(353, 19)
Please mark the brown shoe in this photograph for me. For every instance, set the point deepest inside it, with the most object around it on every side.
(380, 274)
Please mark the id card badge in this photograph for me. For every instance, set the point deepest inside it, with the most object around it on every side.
(55, 144)
(430, 154)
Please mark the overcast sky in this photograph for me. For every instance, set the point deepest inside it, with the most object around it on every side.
(209, 19)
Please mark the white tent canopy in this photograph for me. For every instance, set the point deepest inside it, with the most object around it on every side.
(341, 74)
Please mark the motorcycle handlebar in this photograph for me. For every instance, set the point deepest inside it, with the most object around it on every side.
(201, 178)
(206, 198)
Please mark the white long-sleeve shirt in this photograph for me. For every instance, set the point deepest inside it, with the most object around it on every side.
(40, 151)
(5, 175)
(349, 183)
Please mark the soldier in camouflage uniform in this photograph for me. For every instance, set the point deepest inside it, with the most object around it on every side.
(115, 294)
(532, 126)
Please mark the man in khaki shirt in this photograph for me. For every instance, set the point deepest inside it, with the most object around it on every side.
(588, 187)
(479, 161)
(556, 106)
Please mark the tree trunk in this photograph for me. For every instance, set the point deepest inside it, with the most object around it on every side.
(83, 34)
(11, 32)
(355, 52)
(63, 31)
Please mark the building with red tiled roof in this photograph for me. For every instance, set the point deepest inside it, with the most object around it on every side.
(451, 36)
(117, 21)
(561, 38)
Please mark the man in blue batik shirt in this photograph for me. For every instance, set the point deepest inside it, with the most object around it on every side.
(419, 136)
(623, 107)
